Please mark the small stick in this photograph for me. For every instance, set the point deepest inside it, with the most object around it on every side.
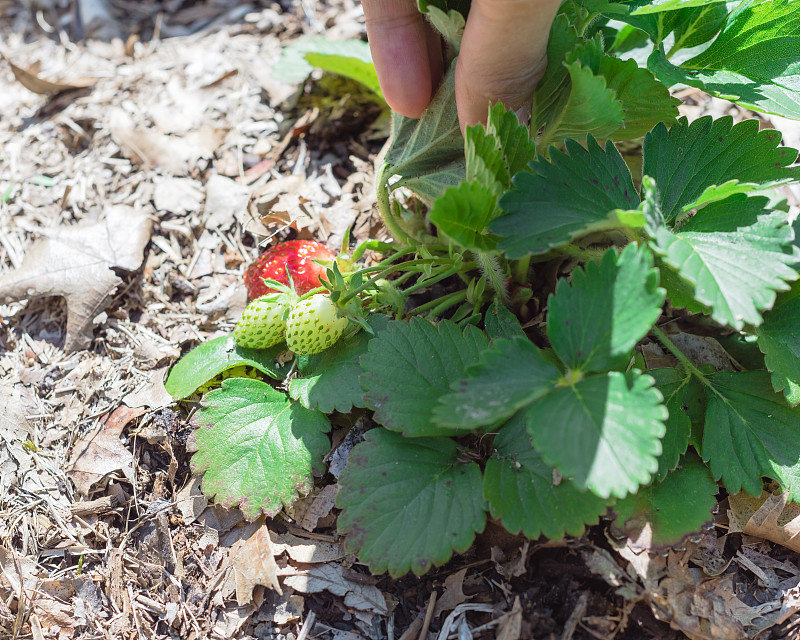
(307, 626)
(423, 633)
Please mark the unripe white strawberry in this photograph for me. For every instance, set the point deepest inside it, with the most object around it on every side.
(313, 325)
(263, 322)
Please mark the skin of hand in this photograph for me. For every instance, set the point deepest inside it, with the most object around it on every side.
(502, 57)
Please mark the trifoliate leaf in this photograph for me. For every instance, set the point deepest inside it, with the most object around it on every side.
(527, 495)
(408, 504)
(499, 322)
(752, 62)
(426, 153)
(595, 321)
(749, 432)
(602, 432)
(329, 380)
(779, 341)
(565, 198)
(463, 214)
(514, 138)
(673, 385)
(679, 505)
(211, 358)
(688, 158)
(590, 108)
(737, 270)
(409, 366)
(258, 449)
(511, 374)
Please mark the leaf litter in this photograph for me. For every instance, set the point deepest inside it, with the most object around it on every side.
(182, 157)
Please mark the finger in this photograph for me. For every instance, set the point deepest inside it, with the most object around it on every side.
(503, 55)
(399, 41)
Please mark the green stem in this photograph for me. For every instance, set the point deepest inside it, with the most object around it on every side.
(581, 254)
(385, 207)
(490, 267)
(673, 349)
(426, 282)
(520, 270)
(411, 265)
(440, 304)
(372, 245)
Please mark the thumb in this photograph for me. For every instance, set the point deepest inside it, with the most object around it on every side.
(503, 55)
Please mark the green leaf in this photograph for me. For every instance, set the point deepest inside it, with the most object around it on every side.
(679, 505)
(590, 108)
(485, 162)
(421, 150)
(595, 322)
(752, 62)
(463, 214)
(645, 101)
(408, 504)
(523, 492)
(211, 358)
(673, 385)
(695, 26)
(258, 450)
(511, 374)
(448, 22)
(563, 199)
(349, 58)
(409, 366)
(749, 431)
(602, 432)
(737, 270)
(499, 322)
(514, 138)
(688, 158)
(779, 341)
(329, 379)
(659, 6)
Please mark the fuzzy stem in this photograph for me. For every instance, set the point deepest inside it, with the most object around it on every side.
(673, 349)
(440, 304)
(385, 207)
(490, 267)
(432, 280)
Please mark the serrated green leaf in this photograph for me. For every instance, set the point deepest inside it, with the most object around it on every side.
(408, 504)
(679, 505)
(448, 22)
(779, 341)
(590, 108)
(515, 143)
(659, 6)
(511, 374)
(485, 162)
(695, 26)
(602, 432)
(645, 100)
(257, 449)
(595, 322)
(737, 270)
(565, 198)
(211, 358)
(689, 158)
(359, 70)
(499, 322)
(673, 385)
(420, 151)
(463, 214)
(522, 490)
(409, 366)
(752, 62)
(749, 432)
(727, 189)
(329, 380)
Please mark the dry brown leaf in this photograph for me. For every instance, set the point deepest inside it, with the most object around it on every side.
(224, 199)
(331, 577)
(76, 262)
(305, 551)
(769, 516)
(253, 563)
(453, 593)
(310, 510)
(15, 459)
(510, 627)
(101, 452)
(29, 78)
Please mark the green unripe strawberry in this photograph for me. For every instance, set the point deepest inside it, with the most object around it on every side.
(263, 322)
(313, 325)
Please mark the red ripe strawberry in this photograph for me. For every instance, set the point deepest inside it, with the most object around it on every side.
(298, 256)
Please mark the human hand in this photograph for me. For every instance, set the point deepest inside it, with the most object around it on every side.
(502, 54)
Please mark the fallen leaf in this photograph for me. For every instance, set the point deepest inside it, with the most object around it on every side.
(330, 577)
(15, 459)
(253, 564)
(305, 551)
(224, 199)
(101, 452)
(29, 78)
(308, 511)
(769, 516)
(453, 593)
(510, 626)
(177, 195)
(76, 262)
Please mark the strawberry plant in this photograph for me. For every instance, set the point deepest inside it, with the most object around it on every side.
(521, 343)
